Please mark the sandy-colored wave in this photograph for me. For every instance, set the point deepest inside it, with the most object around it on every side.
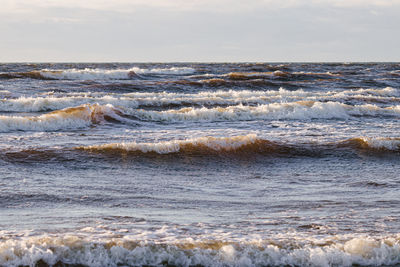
(69, 118)
(374, 143)
(30, 74)
(249, 144)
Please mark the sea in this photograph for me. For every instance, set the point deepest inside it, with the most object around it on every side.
(199, 164)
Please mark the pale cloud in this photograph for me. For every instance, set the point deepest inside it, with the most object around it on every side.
(217, 6)
(360, 3)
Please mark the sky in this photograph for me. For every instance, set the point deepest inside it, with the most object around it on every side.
(199, 30)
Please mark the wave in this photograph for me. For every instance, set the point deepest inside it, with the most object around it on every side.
(204, 98)
(48, 103)
(126, 111)
(374, 143)
(93, 74)
(69, 118)
(202, 145)
(273, 74)
(387, 91)
(302, 110)
(250, 75)
(134, 100)
(394, 73)
(231, 147)
(76, 250)
(249, 144)
(30, 74)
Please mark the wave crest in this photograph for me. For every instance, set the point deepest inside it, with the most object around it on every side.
(69, 118)
(250, 144)
(374, 144)
(203, 145)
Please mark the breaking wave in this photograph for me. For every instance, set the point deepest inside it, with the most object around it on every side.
(374, 144)
(76, 250)
(48, 103)
(205, 98)
(302, 110)
(69, 118)
(134, 100)
(94, 112)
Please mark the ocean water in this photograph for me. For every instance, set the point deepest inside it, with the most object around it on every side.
(292, 164)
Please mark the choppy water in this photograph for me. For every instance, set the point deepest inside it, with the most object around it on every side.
(199, 164)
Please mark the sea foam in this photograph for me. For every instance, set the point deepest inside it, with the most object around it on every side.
(117, 251)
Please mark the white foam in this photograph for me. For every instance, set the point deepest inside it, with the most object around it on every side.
(172, 70)
(316, 73)
(117, 251)
(37, 104)
(91, 74)
(387, 91)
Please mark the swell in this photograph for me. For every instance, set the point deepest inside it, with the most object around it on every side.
(373, 144)
(234, 147)
(30, 74)
(69, 118)
(249, 144)
(76, 250)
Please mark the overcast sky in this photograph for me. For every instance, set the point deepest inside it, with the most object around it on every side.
(199, 30)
